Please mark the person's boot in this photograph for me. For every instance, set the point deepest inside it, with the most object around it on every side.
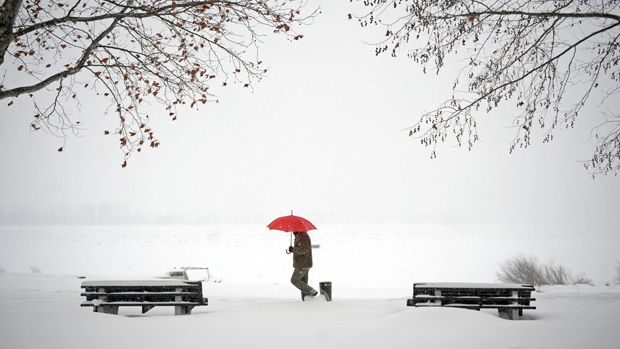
(303, 296)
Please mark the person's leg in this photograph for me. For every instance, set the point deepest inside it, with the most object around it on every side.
(304, 279)
(300, 280)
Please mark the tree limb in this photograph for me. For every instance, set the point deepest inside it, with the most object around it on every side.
(15, 92)
(8, 13)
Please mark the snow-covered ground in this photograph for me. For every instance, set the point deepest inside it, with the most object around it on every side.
(372, 269)
(42, 311)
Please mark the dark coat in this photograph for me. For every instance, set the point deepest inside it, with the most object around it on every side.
(302, 251)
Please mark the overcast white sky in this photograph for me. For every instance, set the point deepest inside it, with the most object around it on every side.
(320, 134)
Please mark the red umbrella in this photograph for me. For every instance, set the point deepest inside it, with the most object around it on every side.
(291, 224)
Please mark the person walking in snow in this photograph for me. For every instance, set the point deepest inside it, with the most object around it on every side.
(302, 262)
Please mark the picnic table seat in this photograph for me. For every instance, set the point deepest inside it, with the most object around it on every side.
(108, 295)
(509, 299)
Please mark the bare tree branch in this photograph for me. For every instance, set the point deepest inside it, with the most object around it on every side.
(172, 52)
(15, 92)
(531, 53)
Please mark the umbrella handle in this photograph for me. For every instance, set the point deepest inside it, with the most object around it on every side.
(291, 242)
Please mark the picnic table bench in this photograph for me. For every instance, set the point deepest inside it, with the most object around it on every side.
(509, 299)
(107, 296)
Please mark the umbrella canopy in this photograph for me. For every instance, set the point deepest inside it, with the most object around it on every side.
(291, 224)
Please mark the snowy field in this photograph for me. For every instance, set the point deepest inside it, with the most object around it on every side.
(372, 269)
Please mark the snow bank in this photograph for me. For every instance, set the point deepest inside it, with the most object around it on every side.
(42, 311)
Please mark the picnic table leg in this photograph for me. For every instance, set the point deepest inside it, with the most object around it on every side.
(438, 294)
(107, 309)
(181, 309)
(513, 313)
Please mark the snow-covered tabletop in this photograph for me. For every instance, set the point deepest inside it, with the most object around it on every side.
(135, 283)
(471, 285)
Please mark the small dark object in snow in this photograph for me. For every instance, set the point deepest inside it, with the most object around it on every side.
(326, 289)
